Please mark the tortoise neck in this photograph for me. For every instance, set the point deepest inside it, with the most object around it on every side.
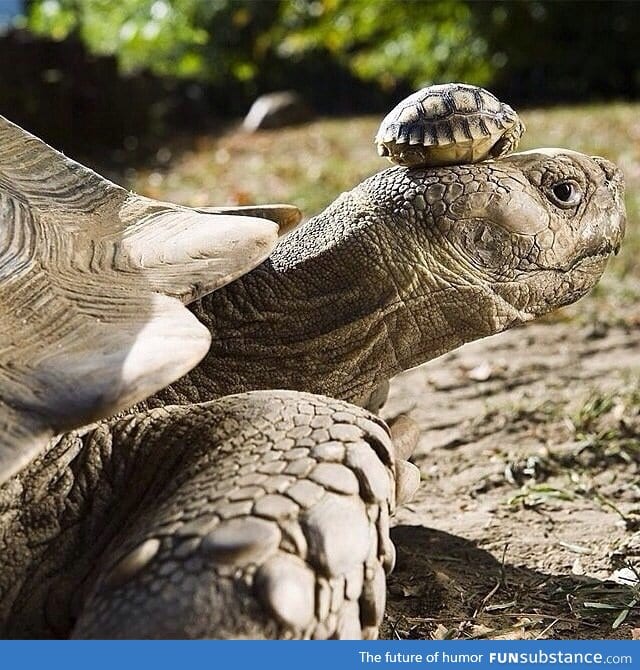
(353, 297)
(309, 318)
(326, 314)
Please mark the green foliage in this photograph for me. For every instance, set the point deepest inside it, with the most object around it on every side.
(207, 39)
(528, 50)
(388, 41)
(384, 41)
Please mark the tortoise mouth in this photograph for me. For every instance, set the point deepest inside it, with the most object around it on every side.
(592, 257)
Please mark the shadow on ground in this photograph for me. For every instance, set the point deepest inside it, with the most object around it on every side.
(445, 586)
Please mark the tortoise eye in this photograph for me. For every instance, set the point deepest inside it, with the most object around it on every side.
(565, 193)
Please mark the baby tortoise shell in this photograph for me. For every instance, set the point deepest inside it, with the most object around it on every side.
(448, 124)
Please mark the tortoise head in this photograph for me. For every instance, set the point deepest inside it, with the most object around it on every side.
(502, 241)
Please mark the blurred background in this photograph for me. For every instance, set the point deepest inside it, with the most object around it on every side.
(102, 72)
(153, 92)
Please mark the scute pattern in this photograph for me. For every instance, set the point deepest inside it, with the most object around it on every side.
(448, 124)
(246, 544)
(92, 280)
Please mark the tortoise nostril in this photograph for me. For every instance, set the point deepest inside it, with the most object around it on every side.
(609, 169)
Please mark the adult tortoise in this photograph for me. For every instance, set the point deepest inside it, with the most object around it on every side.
(251, 497)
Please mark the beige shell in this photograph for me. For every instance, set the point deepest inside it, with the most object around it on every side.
(448, 124)
(93, 283)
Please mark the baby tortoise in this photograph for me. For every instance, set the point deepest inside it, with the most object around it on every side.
(448, 124)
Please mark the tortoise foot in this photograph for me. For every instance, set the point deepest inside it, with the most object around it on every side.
(276, 526)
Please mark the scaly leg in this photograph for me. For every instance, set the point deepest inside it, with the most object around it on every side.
(274, 523)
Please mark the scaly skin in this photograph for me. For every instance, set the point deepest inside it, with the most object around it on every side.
(275, 525)
(317, 477)
(408, 265)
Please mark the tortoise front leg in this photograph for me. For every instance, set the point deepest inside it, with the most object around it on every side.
(275, 524)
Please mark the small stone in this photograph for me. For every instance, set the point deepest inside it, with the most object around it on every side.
(329, 451)
(345, 433)
(129, 566)
(337, 531)
(277, 110)
(305, 493)
(242, 541)
(373, 598)
(275, 506)
(481, 373)
(286, 585)
(335, 477)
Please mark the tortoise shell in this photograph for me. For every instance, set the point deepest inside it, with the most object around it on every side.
(448, 124)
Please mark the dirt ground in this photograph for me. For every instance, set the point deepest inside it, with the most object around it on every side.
(526, 524)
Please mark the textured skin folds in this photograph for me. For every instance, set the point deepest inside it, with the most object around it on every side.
(410, 264)
(266, 514)
(260, 515)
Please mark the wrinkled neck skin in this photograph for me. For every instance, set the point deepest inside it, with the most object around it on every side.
(346, 302)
